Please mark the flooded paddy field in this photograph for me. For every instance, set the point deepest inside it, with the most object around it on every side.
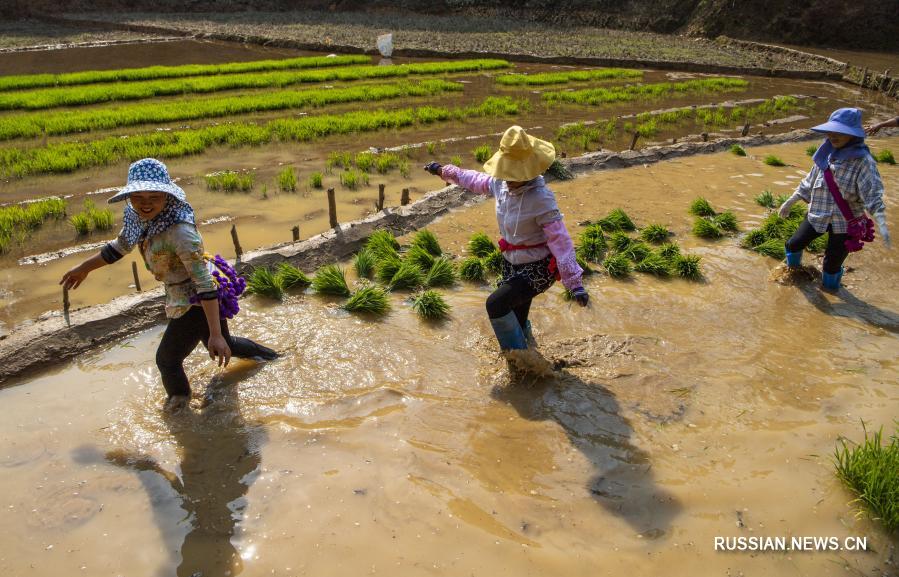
(248, 120)
(680, 412)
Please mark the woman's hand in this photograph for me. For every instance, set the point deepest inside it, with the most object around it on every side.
(218, 347)
(784, 210)
(74, 278)
(580, 296)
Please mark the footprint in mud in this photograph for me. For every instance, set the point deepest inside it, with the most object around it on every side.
(22, 453)
(63, 508)
(795, 276)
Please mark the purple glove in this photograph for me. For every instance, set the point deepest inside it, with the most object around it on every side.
(434, 168)
(580, 295)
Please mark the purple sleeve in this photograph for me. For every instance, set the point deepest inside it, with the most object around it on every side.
(559, 243)
(477, 182)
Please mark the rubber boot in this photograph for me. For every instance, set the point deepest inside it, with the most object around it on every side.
(529, 335)
(794, 259)
(508, 332)
(831, 281)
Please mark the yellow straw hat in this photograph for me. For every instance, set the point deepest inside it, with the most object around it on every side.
(520, 157)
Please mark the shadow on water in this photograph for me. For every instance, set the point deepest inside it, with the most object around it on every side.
(220, 459)
(590, 415)
(851, 307)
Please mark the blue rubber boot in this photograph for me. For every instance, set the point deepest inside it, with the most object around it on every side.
(831, 281)
(508, 332)
(794, 259)
(529, 334)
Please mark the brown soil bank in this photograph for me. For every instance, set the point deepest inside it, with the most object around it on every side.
(864, 24)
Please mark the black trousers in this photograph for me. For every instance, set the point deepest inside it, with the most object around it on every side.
(181, 337)
(515, 295)
(834, 254)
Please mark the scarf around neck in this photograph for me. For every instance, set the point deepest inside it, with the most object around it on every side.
(135, 229)
(827, 153)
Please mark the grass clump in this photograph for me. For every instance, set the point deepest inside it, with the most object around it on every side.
(330, 280)
(870, 470)
(687, 266)
(472, 269)
(727, 221)
(480, 245)
(430, 305)
(407, 277)
(738, 150)
(287, 180)
(230, 181)
(441, 273)
(885, 156)
(772, 160)
(653, 263)
(364, 161)
(352, 179)
(422, 258)
(773, 248)
(765, 199)
(483, 153)
(591, 245)
(364, 262)
(753, 238)
(620, 241)
(369, 299)
(637, 251)
(654, 233)
(669, 251)
(386, 268)
(493, 262)
(617, 265)
(701, 207)
(90, 218)
(427, 240)
(265, 283)
(617, 220)
(811, 150)
(315, 179)
(382, 244)
(707, 228)
(289, 276)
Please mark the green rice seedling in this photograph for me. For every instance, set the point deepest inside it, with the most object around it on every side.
(559, 171)
(431, 148)
(493, 262)
(765, 199)
(620, 241)
(617, 220)
(405, 168)
(688, 266)
(630, 92)
(385, 162)
(264, 191)
(364, 262)
(701, 207)
(330, 280)
(738, 150)
(584, 266)
(18, 220)
(869, 470)
(442, 273)
(102, 219)
(386, 268)
(430, 305)
(422, 258)
(772, 160)
(369, 299)
(669, 251)
(350, 179)
(428, 241)
(773, 248)
(753, 238)
(408, 276)
(885, 156)
(383, 244)
(480, 245)
(818, 245)
(617, 265)
(472, 269)
(565, 77)
(654, 264)
(229, 181)
(773, 227)
(727, 221)
(637, 251)
(456, 160)
(811, 150)
(289, 276)
(364, 161)
(81, 222)
(591, 245)
(482, 153)
(707, 228)
(263, 282)
(315, 180)
(287, 180)
(655, 233)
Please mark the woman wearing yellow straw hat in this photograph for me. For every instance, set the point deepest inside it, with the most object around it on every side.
(537, 249)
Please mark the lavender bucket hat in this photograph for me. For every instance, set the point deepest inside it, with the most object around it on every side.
(150, 175)
(844, 121)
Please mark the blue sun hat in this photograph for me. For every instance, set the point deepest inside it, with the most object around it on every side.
(845, 121)
(148, 174)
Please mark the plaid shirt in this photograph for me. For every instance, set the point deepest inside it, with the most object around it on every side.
(859, 183)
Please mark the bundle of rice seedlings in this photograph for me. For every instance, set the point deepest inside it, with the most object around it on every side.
(263, 282)
(727, 221)
(387, 267)
(369, 299)
(408, 276)
(480, 245)
(493, 262)
(330, 280)
(567, 295)
(669, 251)
(706, 228)
(637, 251)
(811, 150)
(687, 266)
(885, 156)
(773, 226)
(591, 243)
(559, 171)
(430, 305)
(290, 276)
(472, 270)
(654, 233)
(617, 220)
(620, 241)
(364, 263)
(753, 238)
(818, 245)
(383, 244)
(765, 199)
(701, 207)
(869, 469)
(772, 160)
(773, 248)
(617, 265)
(442, 273)
(653, 263)
(421, 257)
(427, 241)
(482, 153)
(583, 264)
(738, 150)
(81, 222)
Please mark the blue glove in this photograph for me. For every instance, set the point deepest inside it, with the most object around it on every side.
(434, 168)
(580, 295)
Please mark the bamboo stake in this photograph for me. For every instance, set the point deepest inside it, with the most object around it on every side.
(237, 248)
(296, 233)
(332, 208)
(634, 140)
(380, 205)
(136, 278)
(404, 199)
(66, 305)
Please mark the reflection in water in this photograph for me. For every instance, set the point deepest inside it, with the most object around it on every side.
(591, 417)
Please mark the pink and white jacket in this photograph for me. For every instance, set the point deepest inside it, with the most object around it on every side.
(528, 216)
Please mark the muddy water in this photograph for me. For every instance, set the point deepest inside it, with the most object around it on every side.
(877, 61)
(686, 411)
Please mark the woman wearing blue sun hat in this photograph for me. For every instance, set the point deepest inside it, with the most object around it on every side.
(200, 292)
(842, 184)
